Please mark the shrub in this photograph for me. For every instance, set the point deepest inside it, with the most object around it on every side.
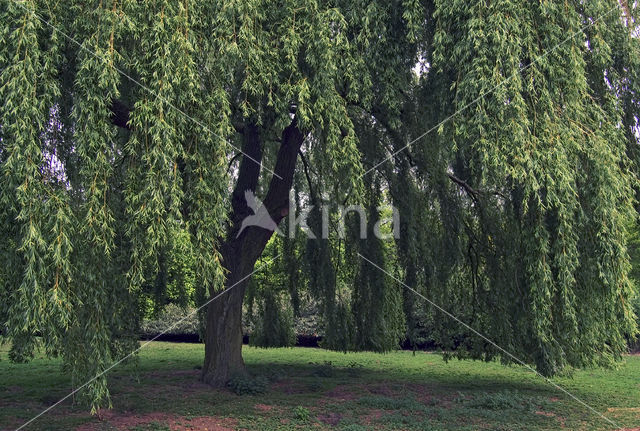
(302, 413)
(245, 384)
(173, 319)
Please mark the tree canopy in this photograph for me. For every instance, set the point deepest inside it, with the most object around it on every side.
(504, 132)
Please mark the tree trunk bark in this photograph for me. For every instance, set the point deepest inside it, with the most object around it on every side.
(223, 332)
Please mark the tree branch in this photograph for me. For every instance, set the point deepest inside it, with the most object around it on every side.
(470, 190)
(474, 193)
(248, 172)
(233, 159)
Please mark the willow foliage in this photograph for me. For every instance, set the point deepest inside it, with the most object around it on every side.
(539, 144)
(120, 122)
(87, 206)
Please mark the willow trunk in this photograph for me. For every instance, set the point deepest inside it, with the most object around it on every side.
(223, 330)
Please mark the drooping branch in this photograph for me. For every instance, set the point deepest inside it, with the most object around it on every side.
(474, 193)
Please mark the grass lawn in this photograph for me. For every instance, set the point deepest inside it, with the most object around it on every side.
(316, 389)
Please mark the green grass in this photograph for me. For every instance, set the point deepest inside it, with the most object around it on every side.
(318, 389)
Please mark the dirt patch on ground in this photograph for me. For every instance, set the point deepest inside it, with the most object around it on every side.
(332, 418)
(372, 416)
(209, 423)
(426, 395)
(263, 407)
(383, 389)
(182, 382)
(342, 393)
(560, 419)
(623, 409)
(123, 422)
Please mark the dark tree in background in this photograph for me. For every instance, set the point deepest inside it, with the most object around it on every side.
(121, 130)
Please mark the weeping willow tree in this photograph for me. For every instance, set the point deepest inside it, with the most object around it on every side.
(124, 122)
(542, 182)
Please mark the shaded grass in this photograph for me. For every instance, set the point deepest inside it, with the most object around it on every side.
(318, 389)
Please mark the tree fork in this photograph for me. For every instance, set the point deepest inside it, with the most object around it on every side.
(223, 334)
(223, 326)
